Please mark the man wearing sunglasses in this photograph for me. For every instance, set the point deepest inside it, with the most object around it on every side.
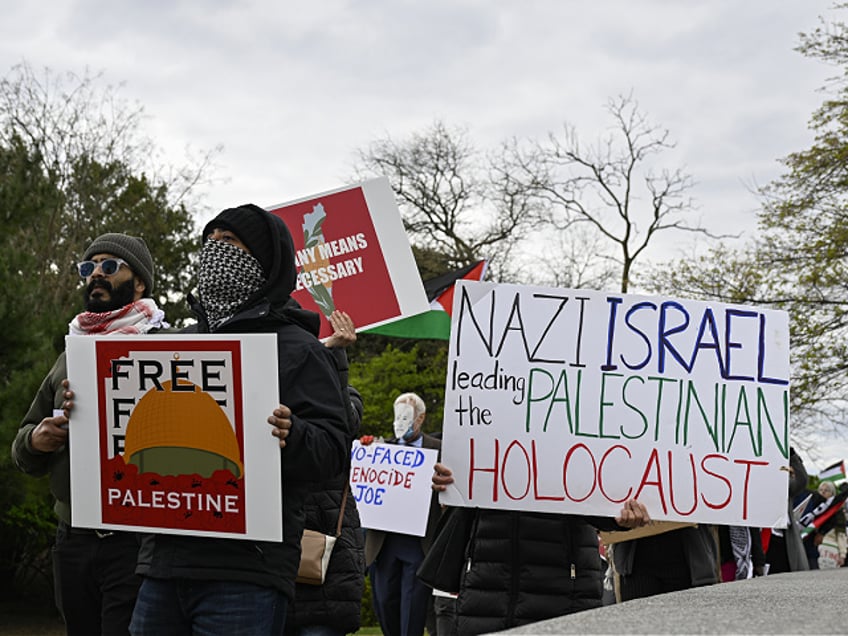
(94, 572)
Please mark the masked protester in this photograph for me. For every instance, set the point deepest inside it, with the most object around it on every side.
(94, 579)
(401, 601)
(201, 585)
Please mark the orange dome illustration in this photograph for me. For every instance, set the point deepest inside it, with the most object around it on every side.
(181, 432)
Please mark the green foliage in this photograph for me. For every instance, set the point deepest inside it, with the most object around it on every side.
(73, 165)
(799, 262)
(368, 617)
(27, 529)
(399, 367)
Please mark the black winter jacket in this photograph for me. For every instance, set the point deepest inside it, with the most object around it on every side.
(338, 602)
(317, 447)
(695, 545)
(523, 567)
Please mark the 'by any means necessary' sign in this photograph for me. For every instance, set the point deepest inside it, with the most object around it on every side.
(575, 401)
(351, 252)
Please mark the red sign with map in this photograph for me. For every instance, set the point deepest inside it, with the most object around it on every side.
(351, 254)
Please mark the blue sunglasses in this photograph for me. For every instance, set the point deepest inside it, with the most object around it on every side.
(108, 266)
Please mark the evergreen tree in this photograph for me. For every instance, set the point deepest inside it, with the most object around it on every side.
(73, 165)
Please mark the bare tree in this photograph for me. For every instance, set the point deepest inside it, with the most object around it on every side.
(106, 175)
(453, 199)
(611, 186)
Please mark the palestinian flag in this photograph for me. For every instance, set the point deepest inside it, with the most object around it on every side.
(433, 324)
(835, 472)
(820, 510)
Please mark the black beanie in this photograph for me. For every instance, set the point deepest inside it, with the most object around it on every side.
(132, 249)
(248, 222)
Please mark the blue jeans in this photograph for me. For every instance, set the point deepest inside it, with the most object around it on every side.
(185, 607)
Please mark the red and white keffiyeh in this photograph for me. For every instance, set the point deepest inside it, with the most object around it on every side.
(138, 317)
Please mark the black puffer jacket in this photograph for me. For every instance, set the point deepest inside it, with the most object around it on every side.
(338, 602)
(317, 447)
(524, 567)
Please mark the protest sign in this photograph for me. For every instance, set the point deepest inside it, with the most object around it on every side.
(169, 434)
(391, 485)
(352, 253)
(576, 401)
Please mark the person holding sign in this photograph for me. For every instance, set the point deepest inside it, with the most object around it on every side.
(401, 601)
(334, 608)
(522, 567)
(94, 571)
(230, 586)
(784, 547)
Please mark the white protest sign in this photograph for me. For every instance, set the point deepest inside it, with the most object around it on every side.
(391, 485)
(169, 434)
(575, 401)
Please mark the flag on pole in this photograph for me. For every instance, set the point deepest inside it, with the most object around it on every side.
(835, 472)
(435, 323)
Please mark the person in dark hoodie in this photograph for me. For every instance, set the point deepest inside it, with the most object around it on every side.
(200, 585)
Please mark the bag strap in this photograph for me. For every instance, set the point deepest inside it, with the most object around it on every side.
(342, 508)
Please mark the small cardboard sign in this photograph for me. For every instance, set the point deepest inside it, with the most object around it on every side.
(169, 434)
(653, 528)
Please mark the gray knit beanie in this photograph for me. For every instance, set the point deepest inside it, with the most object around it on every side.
(132, 249)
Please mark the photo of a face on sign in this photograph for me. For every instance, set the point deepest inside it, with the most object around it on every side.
(404, 424)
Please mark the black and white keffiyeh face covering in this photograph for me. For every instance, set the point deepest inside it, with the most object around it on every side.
(227, 277)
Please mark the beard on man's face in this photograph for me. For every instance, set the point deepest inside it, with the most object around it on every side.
(119, 296)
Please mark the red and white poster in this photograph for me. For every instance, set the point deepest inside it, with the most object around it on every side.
(352, 254)
(168, 434)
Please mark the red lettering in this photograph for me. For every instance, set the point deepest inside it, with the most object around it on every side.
(601, 471)
(472, 470)
(748, 464)
(535, 469)
(694, 486)
(571, 452)
(583, 475)
(504, 470)
(653, 463)
(721, 477)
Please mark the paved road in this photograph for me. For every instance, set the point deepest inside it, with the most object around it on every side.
(793, 603)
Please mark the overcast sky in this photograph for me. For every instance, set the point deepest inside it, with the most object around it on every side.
(290, 90)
